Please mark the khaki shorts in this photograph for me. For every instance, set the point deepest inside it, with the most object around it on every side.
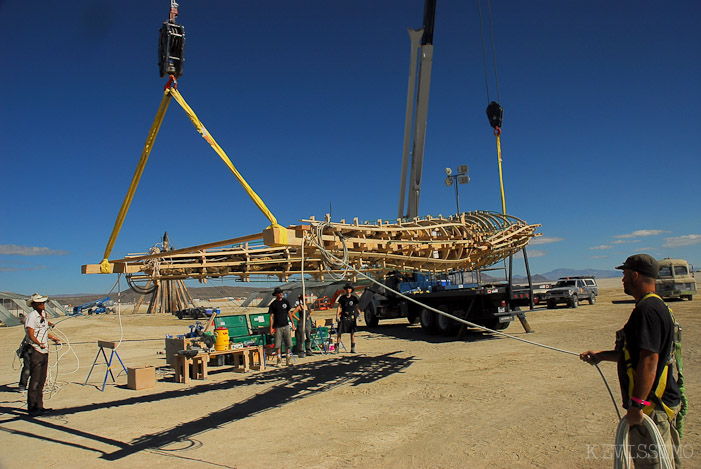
(283, 333)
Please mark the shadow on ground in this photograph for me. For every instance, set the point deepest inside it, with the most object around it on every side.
(286, 385)
(415, 332)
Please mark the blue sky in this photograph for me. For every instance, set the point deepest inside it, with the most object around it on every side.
(600, 142)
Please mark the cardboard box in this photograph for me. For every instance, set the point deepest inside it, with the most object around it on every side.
(142, 377)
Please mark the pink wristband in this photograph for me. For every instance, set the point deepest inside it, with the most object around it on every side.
(639, 401)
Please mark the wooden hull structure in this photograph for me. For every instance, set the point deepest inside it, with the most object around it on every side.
(470, 241)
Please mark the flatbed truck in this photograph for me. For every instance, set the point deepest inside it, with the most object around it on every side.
(492, 305)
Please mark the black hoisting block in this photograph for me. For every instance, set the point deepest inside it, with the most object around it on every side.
(495, 114)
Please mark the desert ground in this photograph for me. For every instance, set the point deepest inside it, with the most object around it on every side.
(405, 399)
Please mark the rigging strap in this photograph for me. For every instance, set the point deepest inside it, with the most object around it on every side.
(171, 91)
(105, 267)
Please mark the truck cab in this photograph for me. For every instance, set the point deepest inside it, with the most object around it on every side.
(676, 279)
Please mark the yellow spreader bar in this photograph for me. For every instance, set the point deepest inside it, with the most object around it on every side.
(277, 234)
(208, 137)
(105, 267)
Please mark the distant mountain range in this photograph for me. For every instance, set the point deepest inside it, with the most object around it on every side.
(207, 293)
(559, 273)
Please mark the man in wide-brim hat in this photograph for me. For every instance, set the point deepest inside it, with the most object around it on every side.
(37, 335)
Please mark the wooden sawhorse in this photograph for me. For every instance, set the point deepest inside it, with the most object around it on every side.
(103, 344)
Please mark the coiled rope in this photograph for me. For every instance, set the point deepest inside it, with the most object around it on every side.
(330, 261)
(622, 451)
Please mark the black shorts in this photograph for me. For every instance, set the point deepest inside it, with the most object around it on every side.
(347, 324)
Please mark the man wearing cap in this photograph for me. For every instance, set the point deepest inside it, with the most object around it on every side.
(643, 352)
(347, 313)
(36, 328)
(279, 311)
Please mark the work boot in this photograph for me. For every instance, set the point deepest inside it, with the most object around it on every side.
(289, 360)
(352, 348)
(337, 349)
(301, 355)
(309, 352)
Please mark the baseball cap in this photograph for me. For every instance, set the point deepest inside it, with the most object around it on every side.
(644, 264)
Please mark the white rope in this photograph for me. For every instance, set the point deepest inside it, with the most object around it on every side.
(330, 261)
(302, 323)
(622, 449)
(623, 427)
(455, 318)
(119, 310)
(52, 387)
(468, 323)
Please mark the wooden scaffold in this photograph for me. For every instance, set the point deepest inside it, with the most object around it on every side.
(167, 295)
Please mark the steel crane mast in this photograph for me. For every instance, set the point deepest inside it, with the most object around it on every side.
(418, 110)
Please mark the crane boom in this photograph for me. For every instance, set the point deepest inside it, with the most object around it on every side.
(420, 113)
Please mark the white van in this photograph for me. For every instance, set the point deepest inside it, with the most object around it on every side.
(676, 279)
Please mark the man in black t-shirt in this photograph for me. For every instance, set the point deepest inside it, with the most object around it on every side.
(347, 313)
(279, 311)
(643, 352)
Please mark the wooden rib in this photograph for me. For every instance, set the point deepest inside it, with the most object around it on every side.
(473, 240)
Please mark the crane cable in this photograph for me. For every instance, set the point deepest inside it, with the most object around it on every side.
(171, 91)
(484, 51)
(495, 112)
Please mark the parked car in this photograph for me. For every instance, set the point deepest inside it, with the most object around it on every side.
(572, 290)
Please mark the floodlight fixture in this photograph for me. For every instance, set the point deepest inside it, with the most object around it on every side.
(461, 177)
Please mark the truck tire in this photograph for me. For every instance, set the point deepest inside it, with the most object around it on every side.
(495, 325)
(428, 321)
(592, 299)
(371, 319)
(444, 324)
(552, 305)
(690, 297)
(574, 301)
(413, 318)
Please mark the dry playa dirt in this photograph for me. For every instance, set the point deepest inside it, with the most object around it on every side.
(405, 400)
